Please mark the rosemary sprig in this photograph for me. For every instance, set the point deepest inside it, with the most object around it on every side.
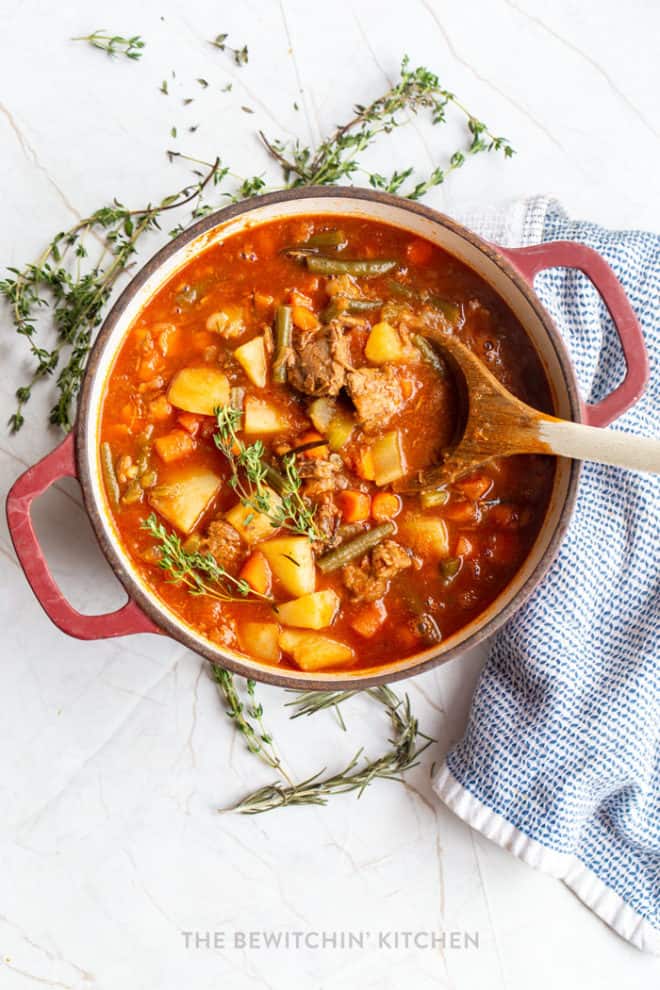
(78, 294)
(240, 55)
(257, 739)
(403, 754)
(200, 572)
(249, 479)
(115, 44)
(336, 157)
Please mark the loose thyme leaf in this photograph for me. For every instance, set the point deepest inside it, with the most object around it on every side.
(240, 55)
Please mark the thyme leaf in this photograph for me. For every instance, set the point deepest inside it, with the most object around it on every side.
(240, 55)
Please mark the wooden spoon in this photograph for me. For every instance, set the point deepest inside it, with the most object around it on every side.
(494, 423)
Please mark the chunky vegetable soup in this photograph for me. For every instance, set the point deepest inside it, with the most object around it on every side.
(262, 423)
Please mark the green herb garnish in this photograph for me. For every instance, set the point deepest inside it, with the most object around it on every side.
(115, 44)
(200, 572)
(252, 478)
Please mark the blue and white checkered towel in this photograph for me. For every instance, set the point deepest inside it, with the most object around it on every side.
(560, 762)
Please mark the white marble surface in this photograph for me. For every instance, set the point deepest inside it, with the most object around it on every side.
(116, 756)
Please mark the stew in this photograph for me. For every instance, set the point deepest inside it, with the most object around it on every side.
(260, 423)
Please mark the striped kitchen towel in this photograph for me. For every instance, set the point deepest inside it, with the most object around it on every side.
(560, 761)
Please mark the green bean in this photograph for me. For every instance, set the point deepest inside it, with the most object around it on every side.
(109, 474)
(433, 496)
(367, 268)
(283, 334)
(328, 238)
(428, 353)
(451, 311)
(336, 558)
(275, 480)
(342, 304)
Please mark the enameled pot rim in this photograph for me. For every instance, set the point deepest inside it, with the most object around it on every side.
(166, 621)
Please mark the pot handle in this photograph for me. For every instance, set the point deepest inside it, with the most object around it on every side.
(570, 254)
(60, 463)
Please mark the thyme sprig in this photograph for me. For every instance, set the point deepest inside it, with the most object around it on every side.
(250, 474)
(248, 720)
(76, 289)
(336, 158)
(115, 44)
(403, 755)
(199, 572)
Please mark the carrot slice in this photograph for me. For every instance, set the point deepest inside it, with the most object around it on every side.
(312, 437)
(355, 506)
(256, 571)
(173, 446)
(385, 505)
(365, 466)
(303, 318)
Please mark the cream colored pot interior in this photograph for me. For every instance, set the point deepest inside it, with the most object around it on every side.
(444, 237)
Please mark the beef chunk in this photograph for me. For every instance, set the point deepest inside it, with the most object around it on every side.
(223, 542)
(321, 475)
(318, 362)
(369, 579)
(377, 395)
(326, 519)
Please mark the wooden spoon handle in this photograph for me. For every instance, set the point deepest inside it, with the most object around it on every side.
(590, 443)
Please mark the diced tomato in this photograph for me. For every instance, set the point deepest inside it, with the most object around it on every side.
(476, 486)
(190, 422)
(419, 252)
(368, 620)
(462, 511)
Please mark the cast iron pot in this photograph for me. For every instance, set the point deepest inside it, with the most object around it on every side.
(508, 271)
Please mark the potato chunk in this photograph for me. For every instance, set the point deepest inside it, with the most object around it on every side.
(312, 651)
(386, 345)
(260, 640)
(292, 561)
(252, 525)
(185, 498)
(199, 390)
(261, 417)
(315, 611)
(427, 535)
(252, 358)
(388, 459)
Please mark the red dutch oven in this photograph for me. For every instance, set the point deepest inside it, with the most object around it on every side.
(510, 272)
